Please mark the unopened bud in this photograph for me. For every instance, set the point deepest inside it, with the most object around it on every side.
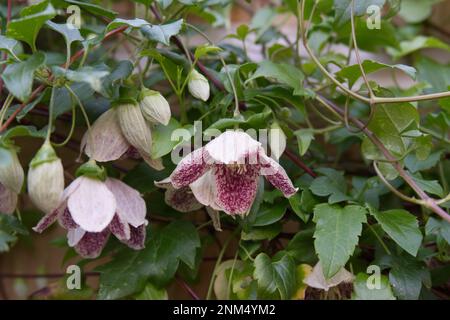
(46, 179)
(11, 171)
(134, 127)
(155, 107)
(277, 140)
(198, 86)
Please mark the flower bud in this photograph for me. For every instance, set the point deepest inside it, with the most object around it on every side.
(155, 107)
(134, 127)
(46, 179)
(277, 140)
(198, 86)
(11, 171)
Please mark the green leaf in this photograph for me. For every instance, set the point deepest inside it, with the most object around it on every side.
(353, 72)
(205, 49)
(262, 233)
(276, 275)
(304, 138)
(436, 74)
(407, 276)
(162, 32)
(162, 142)
(129, 271)
(32, 18)
(9, 45)
(429, 186)
(18, 77)
(388, 124)
(343, 9)
(415, 11)
(90, 75)
(361, 291)
(69, 34)
(9, 228)
(402, 227)
(132, 23)
(418, 43)
(281, 72)
(24, 131)
(94, 9)
(332, 184)
(299, 247)
(151, 292)
(336, 235)
(269, 214)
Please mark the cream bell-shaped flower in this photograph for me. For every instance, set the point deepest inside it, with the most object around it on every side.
(46, 179)
(224, 173)
(106, 141)
(11, 179)
(154, 107)
(93, 206)
(198, 85)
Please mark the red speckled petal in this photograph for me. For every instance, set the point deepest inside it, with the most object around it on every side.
(276, 175)
(65, 219)
(137, 238)
(190, 168)
(51, 217)
(181, 199)
(92, 244)
(236, 187)
(120, 228)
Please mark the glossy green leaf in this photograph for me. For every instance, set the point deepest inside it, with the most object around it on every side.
(151, 292)
(32, 18)
(163, 32)
(402, 227)
(276, 275)
(162, 141)
(418, 43)
(283, 73)
(129, 271)
(94, 9)
(304, 138)
(336, 235)
(70, 34)
(353, 73)
(363, 289)
(9, 45)
(132, 23)
(331, 184)
(343, 8)
(18, 77)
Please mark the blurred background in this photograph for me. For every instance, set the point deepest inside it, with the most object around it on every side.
(35, 265)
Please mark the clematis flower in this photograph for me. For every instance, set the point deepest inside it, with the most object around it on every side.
(110, 138)
(11, 179)
(92, 209)
(224, 173)
(184, 199)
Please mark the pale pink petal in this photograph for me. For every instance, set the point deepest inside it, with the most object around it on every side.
(232, 147)
(181, 199)
(236, 187)
(130, 206)
(105, 141)
(276, 175)
(120, 228)
(8, 200)
(92, 206)
(137, 238)
(74, 236)
(204, 189)
(190, 168)
(92, 244)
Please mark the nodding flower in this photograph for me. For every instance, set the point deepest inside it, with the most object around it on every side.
(92, 208)
(224, 173)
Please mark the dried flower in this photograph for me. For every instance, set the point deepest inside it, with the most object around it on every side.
(92, 207)
(224, 173)
(155, 107)
(198, 85)
(46, 179)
